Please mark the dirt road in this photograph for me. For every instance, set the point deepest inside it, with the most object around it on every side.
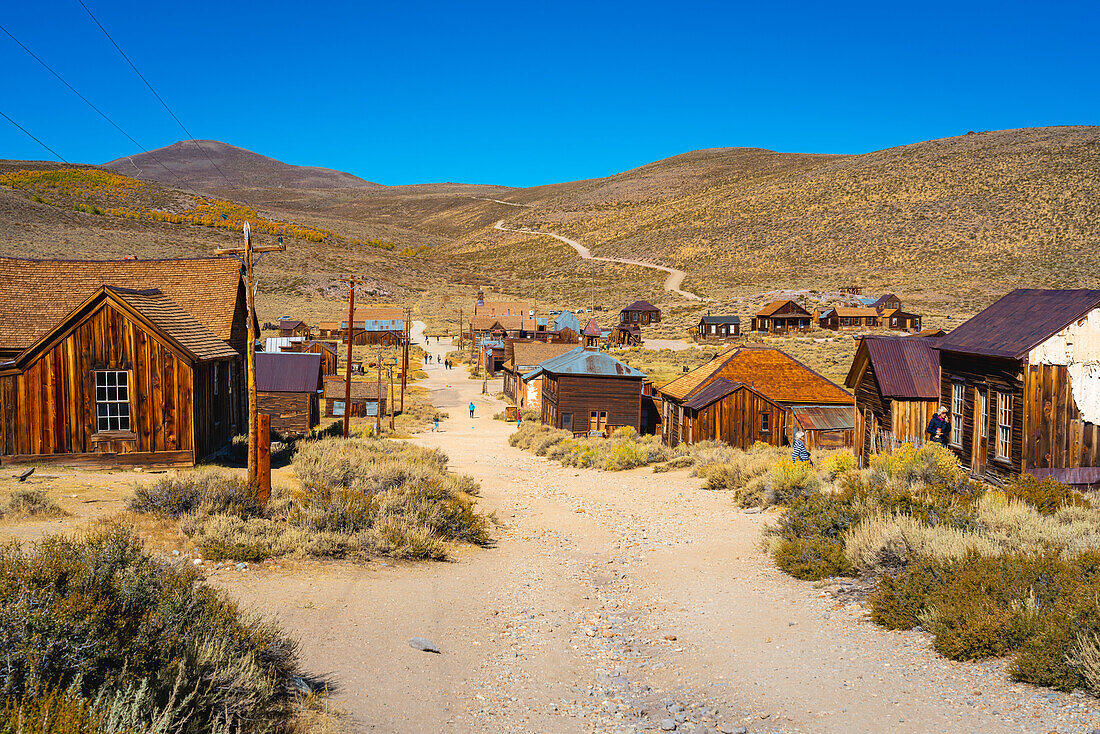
(672, 283)
(615, 603)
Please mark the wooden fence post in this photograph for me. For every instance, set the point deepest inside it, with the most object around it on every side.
(263, 456)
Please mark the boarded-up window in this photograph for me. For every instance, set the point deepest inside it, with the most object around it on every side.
(957, 402)
(112, 400)
(1004, 426)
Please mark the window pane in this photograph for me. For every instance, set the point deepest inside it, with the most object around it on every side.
(100, 393)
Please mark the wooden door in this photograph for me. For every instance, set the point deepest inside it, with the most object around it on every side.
(979, 452)
(597, 420)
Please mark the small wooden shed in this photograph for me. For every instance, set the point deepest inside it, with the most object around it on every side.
(734, 413)
(365, 399)
(896, 381)
(899, 320)
(288, 387)
(293, 327)
(780, 317)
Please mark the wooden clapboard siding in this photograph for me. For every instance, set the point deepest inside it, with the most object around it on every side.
(1055, 436)
(989, 374)
(906, 419)
(579, 395)
(292, 413)
(49, 408)
(736, 419)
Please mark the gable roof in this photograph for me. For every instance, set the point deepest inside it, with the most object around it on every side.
(360, 389)
(881, 300)
(592, 328)
(290, 323)
(581, 361)
(905, 367)
(530, 354)
(774, 374)
(288, 372)
(38, 294)
(567, 320)
(641, 306)
(774, 306)
(331, 349)
(858, 312)
(715, 391)
(1019, 321)
(708, 319)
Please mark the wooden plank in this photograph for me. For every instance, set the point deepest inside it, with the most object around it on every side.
(107, 460)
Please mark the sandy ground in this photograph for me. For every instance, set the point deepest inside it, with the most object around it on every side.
(610, 602)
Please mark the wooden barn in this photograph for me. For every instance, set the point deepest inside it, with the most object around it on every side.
(773, 378)
(640, 313)
(899, 320)
(896, 381)
(121, 363)
(780, 317)
(589, 391)
(292, 327)
(717, 328)
(847, 318)
(365, 399)
(526, 357)
(1022, 382)
(288, 387)
(327, 351)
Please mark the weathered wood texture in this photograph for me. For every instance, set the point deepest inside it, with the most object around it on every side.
(740, 419)
(905, 419)
(717, 331)
(292, 413)
(1055, 436)
(575, 397)
(990, 375)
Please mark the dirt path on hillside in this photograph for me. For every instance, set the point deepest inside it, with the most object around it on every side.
(672, 283)
(613, 603)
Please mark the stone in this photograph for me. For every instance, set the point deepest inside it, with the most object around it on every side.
(242, 566)
(424, 645)
(753, 511)
(196, 561)
(668, 725)
(301, 684)
(675, 708)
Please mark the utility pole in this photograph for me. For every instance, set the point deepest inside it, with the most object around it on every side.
(461, 329)
(391, 396)
(245, 255)
(378, 393)
(352, 281)
(406, 335)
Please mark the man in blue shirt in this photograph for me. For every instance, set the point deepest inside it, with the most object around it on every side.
(798, 449)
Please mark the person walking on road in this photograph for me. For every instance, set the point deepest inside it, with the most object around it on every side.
(435, 424)
(471, 408)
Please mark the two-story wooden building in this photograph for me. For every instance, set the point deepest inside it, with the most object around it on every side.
(121, 363)
(589, 391)
(780, 317)
(1022, 382)
(640, 313)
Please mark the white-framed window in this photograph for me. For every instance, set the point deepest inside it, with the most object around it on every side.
(958, 392)
(1004, 426)
(112, 400)
(981, 404)
(338, 407)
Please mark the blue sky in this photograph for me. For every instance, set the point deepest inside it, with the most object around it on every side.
(525, 93)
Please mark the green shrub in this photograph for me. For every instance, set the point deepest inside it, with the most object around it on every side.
(626, 456)
(812, 559)
(209, 490)
(100, 614)
(1045, 495)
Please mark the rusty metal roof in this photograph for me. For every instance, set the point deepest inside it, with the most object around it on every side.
(1080, 478)
(581, 361)
(641, 306)
(592, 329)
(288, 372)
(1019, 321)
(824, 417)
(906, 367)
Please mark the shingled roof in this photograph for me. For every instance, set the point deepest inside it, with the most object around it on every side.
(530, 354)
(1019, 321)
(38, 294)
(773, 373)
(360, 389)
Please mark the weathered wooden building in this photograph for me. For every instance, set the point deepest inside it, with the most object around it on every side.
(293, 327)
(717, 328)
(899, 320)
(120, 362)
(886, 302)
(592, 335)
(327, 351)
(526, 357)
(1021, 380)
(288, 387)
(640, 313)
(624, 337)
(589, 391)
(366, 400)
(896, 381)
(780, 317)
(773, 378)
(847, 318)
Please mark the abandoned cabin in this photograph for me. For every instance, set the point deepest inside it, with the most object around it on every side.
(624, 336)
(288, 387)
(327, 350)
(847, 318)
(718, 327)
(526, 356)
(780, 317)
(1021, 380)
(896, 381)
(375, 325)
(365, 399)
(125, 362)
(588, 391)
(899, 320)
(640, 313)
(750, 394)
(292, 327)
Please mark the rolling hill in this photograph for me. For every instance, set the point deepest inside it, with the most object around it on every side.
(191, 164)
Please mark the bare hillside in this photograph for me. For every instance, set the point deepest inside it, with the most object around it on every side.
(190, 164)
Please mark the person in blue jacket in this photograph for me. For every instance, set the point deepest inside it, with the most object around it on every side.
(471, 408)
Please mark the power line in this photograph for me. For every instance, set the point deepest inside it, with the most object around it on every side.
(160, 99)
(32, 137)
(88, 102)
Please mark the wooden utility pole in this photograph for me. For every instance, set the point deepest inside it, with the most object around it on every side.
(245, 255)
(391, 397)
(406, 335)
(352, 281)
(378, 394)
(461, 329)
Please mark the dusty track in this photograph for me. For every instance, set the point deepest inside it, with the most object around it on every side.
(565, 624)
(672, 283)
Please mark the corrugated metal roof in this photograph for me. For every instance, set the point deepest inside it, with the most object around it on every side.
(581, 361)
(824, 417)
(288, 372)
(708, 319)
(567, 320)
(1081, 477)
(273, 344)
(906, 367)
(712, 393)
(1019, 321)
(376, 324)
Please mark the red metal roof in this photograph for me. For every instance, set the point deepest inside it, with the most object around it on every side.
(906, 367)
(288, 372)
(593, 329)
(1019, 321)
